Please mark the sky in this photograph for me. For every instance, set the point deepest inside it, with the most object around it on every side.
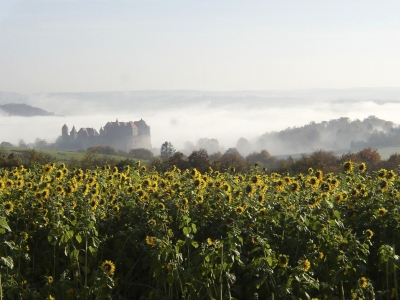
(212, 45)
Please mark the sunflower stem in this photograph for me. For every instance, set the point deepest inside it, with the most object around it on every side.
(395, 276)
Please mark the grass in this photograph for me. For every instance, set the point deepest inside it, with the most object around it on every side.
(60, 155)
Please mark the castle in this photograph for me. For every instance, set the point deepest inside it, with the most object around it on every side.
(120, 135)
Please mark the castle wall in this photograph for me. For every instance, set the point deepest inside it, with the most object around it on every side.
(122, 137)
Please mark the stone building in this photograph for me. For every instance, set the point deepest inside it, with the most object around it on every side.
(120, 135)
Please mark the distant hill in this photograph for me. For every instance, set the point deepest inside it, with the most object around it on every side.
(23, 110)
(333, 135)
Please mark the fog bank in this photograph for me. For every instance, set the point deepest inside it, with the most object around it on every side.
(181, 116)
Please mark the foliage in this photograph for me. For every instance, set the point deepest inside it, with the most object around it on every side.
(167, 150)
(137, 233)
(141, 153)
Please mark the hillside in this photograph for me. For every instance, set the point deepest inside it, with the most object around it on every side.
(333, 135)
(23, 110)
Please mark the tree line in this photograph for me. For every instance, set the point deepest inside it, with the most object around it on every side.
(326, 161)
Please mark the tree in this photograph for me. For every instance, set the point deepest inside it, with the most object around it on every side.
(210, 145)
(179, 160)
(263, 159)
(199, 160)
(40, 143)
(232, 158)
(22, 144)
(243, 146)
(167, 150)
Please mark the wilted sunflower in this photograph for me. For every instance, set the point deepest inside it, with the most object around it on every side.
(306, 265)
(363, 282)
(8, 206)
(108, 267)
(283, 260)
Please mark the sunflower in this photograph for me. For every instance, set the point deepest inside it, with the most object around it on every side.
(24, 235)
(338, 198)
(294, 187)
(348, 167)
(363, 282)
(59, 174)
(313, 181)
(383, 185)
(313, 202)
(310, 171)
(8, 206)
(391, 175)
(325, 186)
(319, 174)
(45, 194)
(283, 260)
(151, 223)
(50, 279)
(209, 241)
(369, 233)
(93, 204)
(382, 173)
(108, 267)
(47, 169)
(382, 212)
(239, 210)
(151, 241)
(306, 265)
(320, 255)
(362, 167)
(72, 205)
(9, 183)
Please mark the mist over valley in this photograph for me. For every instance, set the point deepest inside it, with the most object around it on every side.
(185, 117)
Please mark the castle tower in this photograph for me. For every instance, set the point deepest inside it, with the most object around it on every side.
(73, 134)
(64, 130)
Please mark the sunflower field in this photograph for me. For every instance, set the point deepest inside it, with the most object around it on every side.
(133, 233)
